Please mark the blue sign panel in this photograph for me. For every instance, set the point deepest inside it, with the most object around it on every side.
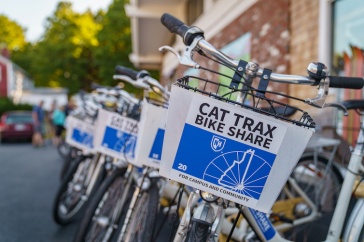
(222, 161)
(119, 141)
(264, 224)
(82, 137)
(156, 151)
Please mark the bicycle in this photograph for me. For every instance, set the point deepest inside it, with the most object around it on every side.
(204, 222)
(115, 211)
(88, 169)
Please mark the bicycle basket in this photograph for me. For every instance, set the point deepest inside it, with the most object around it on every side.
(151, 132)
(116, 136)
(80, 134)
(243, 152)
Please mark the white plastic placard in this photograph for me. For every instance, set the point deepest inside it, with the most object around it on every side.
(229, 151)
(116, 136)
(80, 134)
(151, 134)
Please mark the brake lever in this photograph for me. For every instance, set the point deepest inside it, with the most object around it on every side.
(323, 90)
(337, 105)
(186, 59)
(319, 100)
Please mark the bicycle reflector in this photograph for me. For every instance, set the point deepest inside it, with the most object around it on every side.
(208, 197)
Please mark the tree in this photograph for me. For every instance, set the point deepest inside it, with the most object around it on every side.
(63, 57)
(115, 42)
(78, 49)
(11, 34)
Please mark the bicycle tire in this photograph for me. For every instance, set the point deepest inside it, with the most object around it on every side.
(70, 202)
(354, 226)
(323, 197)
(101, 205)
(67, 164)
(64, 150)
(143, 217)
(197, 232)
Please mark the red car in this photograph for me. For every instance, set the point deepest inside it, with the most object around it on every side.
(16, 125)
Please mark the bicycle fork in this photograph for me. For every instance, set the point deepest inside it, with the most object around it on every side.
(204, 213)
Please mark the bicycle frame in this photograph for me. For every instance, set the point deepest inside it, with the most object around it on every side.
(265, 230)
(354, 167)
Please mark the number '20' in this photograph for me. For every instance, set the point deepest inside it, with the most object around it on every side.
(182, 167)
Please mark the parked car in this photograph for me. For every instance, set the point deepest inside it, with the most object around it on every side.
(16, 125)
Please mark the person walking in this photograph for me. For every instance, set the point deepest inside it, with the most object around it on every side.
(50, 128)
(58, 119)
(38, 121)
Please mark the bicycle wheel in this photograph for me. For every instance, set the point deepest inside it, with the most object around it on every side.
(143, 217)
(67, 164)
(64, 150)
(321, 184)
(70, 198)
(354, 227)
(96, 225)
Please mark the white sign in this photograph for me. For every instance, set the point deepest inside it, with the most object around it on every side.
(229, 151)
(116, 136)
(151, 134)
(80, 134)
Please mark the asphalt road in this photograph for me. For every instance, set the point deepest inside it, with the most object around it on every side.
(29, 178)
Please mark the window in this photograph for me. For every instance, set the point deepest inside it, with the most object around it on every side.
(194, 10)
(348, 32)
(348, 58)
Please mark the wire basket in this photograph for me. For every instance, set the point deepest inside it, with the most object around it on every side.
(252, 99)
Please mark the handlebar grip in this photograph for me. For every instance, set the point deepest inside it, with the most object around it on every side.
(126, 72)
(174, 25)
(346, 82)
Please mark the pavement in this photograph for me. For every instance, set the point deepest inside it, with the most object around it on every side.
(29, 179)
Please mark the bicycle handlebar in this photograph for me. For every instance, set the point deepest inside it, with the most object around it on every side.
(176, 26)
(117, 92)
(126, 71)
(141, 79)
(122, 70)
(191, 34)
(346, 82)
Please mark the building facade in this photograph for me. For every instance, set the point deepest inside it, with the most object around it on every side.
(281, 35)
(13, 80)
(16, 85)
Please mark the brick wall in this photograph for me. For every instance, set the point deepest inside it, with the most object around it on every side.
(284, 38)
(304, 40)
(268, 23)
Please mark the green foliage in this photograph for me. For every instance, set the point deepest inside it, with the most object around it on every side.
(65, 56)
(78, 49)
(11, 34)
(7, 105)
(115, 42)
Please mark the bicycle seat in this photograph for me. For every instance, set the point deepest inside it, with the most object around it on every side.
(353, 104)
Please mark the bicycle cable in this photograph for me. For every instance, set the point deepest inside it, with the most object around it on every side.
(234, 225)
(176, 215)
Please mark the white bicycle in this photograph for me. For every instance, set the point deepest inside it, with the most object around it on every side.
(203, 221)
